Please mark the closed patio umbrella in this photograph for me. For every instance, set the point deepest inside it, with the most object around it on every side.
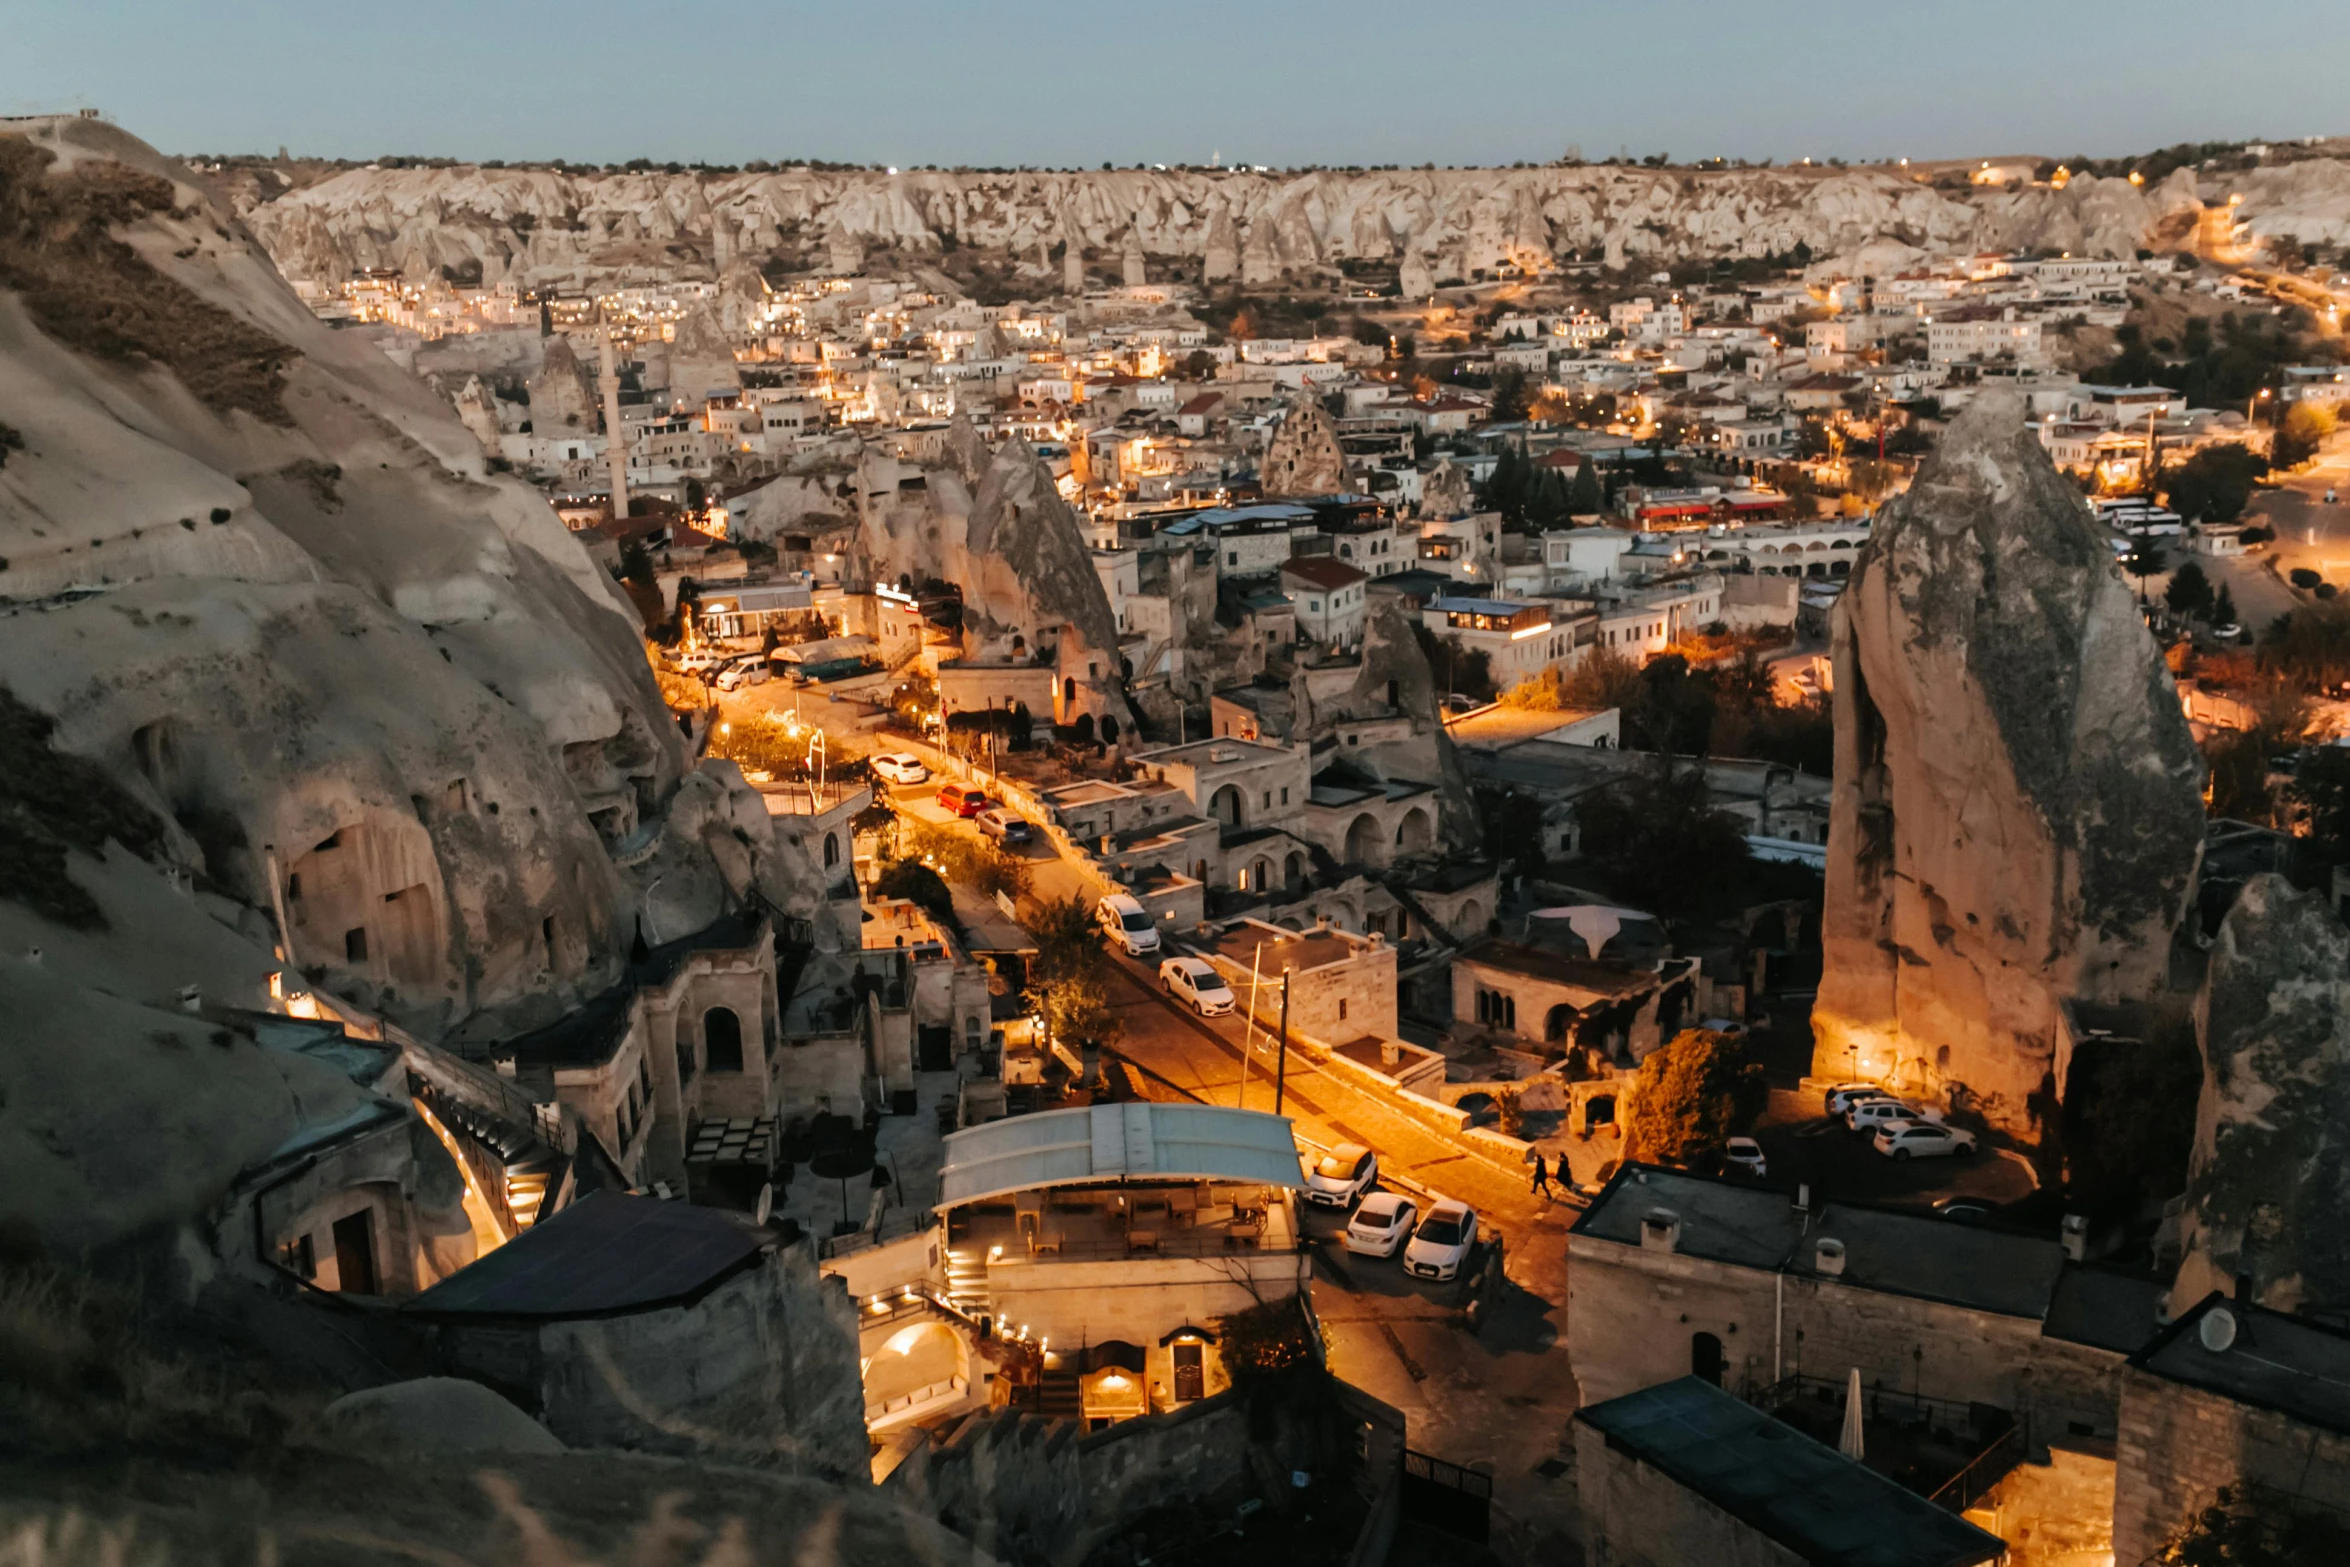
(1849, 1444)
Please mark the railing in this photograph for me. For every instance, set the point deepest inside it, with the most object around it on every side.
(911, 1301)
(1985, 1470)
(896, 1225)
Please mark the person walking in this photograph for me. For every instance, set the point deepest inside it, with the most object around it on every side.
(1541, 1175)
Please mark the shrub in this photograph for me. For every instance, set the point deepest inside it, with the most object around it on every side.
(2304, 579)
(1693, 1094)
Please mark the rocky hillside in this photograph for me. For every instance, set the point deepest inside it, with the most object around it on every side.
(542, 226)
(276, 643)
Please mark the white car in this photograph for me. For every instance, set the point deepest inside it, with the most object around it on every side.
(1380, 1224)
(901, 767)
(1922, 1140)
(1195, 980)
(1342, 1175)
(1840, 1096)
(1745, 1156)
(1866, 1115)
(1442, 1242)
(1128, 924)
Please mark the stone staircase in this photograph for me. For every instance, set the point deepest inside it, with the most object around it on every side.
(967, 1282)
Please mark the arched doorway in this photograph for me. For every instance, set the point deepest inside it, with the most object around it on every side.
(1226, 805)
(1705, 1357)
(1293, 870)
(722, 1040)
(831, 850)
(1363, 840)
(1559, 1023)
(919, 1361)
(1109, 731)
(1472, 917)
(1260, 876)
(1413, 834)
(1083, 728)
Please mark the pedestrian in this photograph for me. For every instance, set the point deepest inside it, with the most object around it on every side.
(1541, 1175)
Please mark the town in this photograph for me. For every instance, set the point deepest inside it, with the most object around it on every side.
(1492, 900)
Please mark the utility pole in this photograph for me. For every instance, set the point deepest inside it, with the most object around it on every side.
(1281, 1070)
(1248, 1043)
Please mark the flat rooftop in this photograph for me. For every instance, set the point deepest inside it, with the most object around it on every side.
(1492, 728)
(2289, 1365)
(1225, 752)
(1806, 1496)
(606, 1255)
(1282, 949)
(1594, 974)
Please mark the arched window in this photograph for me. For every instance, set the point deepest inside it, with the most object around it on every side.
(831, 850)
(1705, 1358)
(722, 1040)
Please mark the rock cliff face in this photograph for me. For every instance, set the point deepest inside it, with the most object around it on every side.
(545, 227)
(2017, 816)
(264, 580)
(2269, 1178)
(1304, 458)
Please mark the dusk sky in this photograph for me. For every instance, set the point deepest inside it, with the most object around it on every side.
(933, 81)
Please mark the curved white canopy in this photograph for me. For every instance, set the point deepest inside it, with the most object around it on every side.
(1151, 1142)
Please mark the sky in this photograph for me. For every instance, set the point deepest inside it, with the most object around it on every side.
(1275, 82)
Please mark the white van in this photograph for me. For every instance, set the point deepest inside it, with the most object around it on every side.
(1128, 924)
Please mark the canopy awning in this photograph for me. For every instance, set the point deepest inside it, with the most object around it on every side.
(1121, 1142)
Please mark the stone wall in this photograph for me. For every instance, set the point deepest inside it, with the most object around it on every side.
(2053, 1514)
(2179, 1445)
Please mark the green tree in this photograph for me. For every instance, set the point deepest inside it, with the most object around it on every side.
(2253, 1531)
(1510, 487)
(1694, 1093)
(2189, 593)
(1586, 496)
(2214, 485)
(2143, 560)
(2223, 608)
(1513, 395)
(1656, 840)
(1069, 978)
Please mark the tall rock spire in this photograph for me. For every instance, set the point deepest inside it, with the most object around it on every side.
(2018, 815)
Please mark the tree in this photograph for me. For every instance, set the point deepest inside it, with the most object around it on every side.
(1069, 978)
(2249, 1531)
(1656, 840)
(2321, 786)
(1513, 395)
(1693, 1094)
(2214, 485)
(2223, 608)
(2302, 432)
(2143, 560)
(2189, 593)
(1586, 497)
(1510, 487)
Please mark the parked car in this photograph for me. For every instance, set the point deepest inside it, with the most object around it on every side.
(1195, 980)
(1866, 1115)
(962, 799)
(1962, 1210)
(1442, 1242)
(1128, 924)
(1381, 1222)
(1922, 1140)
(1745, 1156)
(1004, 827)
(900, 767)
(1342, 1175)
(1839, 1098)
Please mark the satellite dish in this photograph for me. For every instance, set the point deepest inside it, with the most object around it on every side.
(2217, 1330)
(766, 1204)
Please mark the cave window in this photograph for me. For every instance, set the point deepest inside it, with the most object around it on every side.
(453, 797)
(355, 945)
(831, 850)
(1342, 1009)
(685, 1062)
(294, 889)
(547, 932)
(722, 1039)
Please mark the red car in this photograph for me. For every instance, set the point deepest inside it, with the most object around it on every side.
(963, 800)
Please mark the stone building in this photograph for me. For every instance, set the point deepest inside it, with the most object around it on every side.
(1303, 457)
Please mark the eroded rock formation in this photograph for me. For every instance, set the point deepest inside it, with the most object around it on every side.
(541, 226)
(267, 582)
(1304, 458)
(2269, 1178)
(2017, 815)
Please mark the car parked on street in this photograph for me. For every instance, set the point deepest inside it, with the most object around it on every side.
(1962, 1210)
(1839, 1096)
(1195, 980)
(1341, 1175)
(1128, 924)
(963, 800)
(1381, 1223)
(900, 767)
(1442, 1243)
(1866, 1115)
(1922, 1140)
(1004, 827)
(1744, 1156)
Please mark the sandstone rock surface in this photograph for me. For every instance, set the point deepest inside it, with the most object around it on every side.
(1304, 458)
(538, 226)
(433, 1415)
(268, 582)
(2269, 1177)
(2017, 814)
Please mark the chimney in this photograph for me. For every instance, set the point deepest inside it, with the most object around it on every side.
(1660, 1230)
(2075, 1235)
(1803, 1197)
(1828, 1258)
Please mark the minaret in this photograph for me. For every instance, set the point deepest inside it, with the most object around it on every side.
(615, 445)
